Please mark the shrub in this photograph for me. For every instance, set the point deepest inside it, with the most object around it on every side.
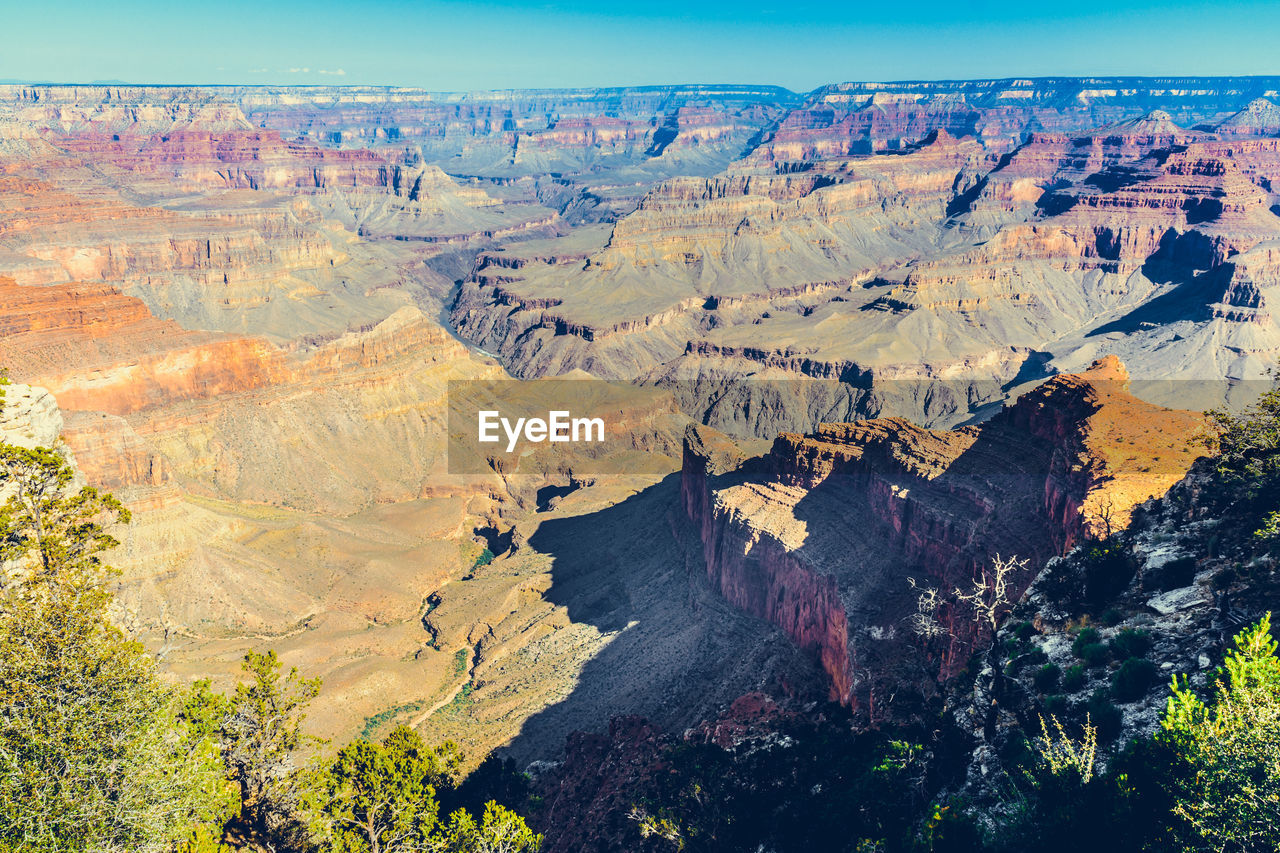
(1086, 637)
(1062, 754)
(1094, 655)
(1064, 803)
(1105, 715)
(384, 797)
(498, 829)
(94, 754)
(1073, 678)
(1046, 677)
(1056, 705)
(377, 795)
(1248, 459)
(1132, 680)
(1108, 569)
(261, 733)
(1112, 617)
(1062, 581)
(1017, 752)
(1024, 630)
(1035, 656)
(1227, 789)
(1130, 643)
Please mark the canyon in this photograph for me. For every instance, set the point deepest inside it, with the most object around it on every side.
(247, 305)
(949, 260)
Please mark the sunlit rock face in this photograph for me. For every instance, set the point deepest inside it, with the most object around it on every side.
(821, 534)
(948, 257)
(29, 417)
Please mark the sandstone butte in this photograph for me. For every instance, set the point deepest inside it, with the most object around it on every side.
(820, 535)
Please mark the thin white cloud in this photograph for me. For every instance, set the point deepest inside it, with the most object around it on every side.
(335, 72)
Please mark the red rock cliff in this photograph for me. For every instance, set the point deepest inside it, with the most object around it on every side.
(820, 535)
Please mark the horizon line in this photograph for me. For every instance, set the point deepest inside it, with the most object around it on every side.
(1032, 78)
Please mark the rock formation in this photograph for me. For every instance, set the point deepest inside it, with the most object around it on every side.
(945, 259)
(29, 417)
(820, 535)
(1260, 117)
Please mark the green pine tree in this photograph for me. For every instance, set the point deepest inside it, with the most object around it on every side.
(381, 798)
(93, 754)
(260, 733)
(1227, 787)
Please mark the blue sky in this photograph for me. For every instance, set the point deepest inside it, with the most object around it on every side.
(453, 46)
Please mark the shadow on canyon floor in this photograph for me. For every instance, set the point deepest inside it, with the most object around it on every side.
(1188, 266)
(869, 531)
(1189, 296)
(678, 651)
(989, 499)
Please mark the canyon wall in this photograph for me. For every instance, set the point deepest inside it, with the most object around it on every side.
(957, 258)
(820, 535)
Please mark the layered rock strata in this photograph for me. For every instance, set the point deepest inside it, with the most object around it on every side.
(947, 259)
(820, 535)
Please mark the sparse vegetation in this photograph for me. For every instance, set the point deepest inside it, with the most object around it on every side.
(1047, 677)
(1133, 679)
(1105, 715)
(988, 599)
(1086, 636)
(98, 754)
(926, 622)
(1130, 643)
(374, 723)
(1056, 705)
(1089, 648)
(1073, 678)
(474, 557)
(956, 624)
(1226, 775)
(1065, 756)
(820, 788)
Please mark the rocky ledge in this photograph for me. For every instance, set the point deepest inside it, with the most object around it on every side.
(821, 534)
